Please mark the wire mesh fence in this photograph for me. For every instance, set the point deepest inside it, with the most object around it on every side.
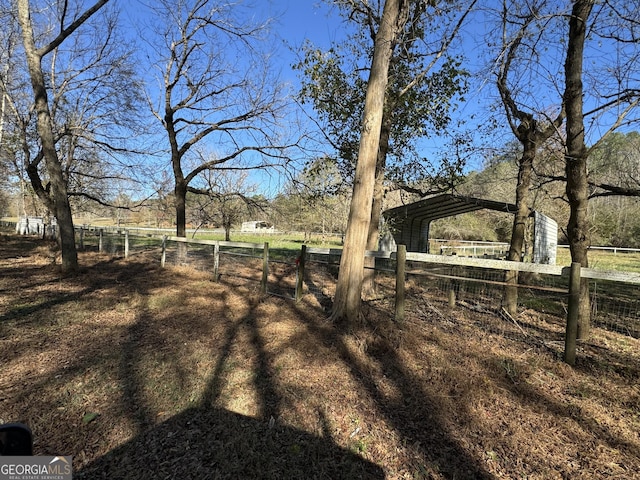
(477, 294)
(446, 292)
(441, 292)
(197, 256)
(615, 306)
(321, 272)
(435, 289)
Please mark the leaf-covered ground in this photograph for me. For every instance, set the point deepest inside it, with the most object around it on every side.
(140, 372)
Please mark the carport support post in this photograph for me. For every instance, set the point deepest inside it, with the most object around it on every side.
(216, 261)
(572, 315)
(265, 268)
(300, 273)
(100, 246)
(401, 260)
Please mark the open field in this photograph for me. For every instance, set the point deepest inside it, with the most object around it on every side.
(605, 260)
(277, 239)
(140, 372)
(282, 240)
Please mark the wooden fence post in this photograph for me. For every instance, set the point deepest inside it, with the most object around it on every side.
(216, 261)
(572, 315)
(300, 273)
(401, 259)
(452, 297)
(126, 244)
(265, 268)
(100, 244)
(163, 258)
(81, 238)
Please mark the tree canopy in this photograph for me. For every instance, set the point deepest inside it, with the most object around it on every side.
(426, 82)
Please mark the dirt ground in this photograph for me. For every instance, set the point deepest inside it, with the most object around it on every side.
(141, 372)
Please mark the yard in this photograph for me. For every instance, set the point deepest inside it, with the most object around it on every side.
(141, 372)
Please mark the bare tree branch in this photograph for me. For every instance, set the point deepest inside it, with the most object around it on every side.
(68, 31)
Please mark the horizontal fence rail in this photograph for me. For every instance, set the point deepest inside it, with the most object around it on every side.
(287, 273)
(609, 249)
(475, 284)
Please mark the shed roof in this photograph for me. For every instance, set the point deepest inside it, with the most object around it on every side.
(410, 223)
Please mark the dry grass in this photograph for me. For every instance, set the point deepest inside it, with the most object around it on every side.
(142, 373)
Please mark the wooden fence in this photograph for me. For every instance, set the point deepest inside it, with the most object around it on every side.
(403, 264)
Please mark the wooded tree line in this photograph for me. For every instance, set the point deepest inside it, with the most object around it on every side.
(614, 220)
(92, 112)
(317, 203)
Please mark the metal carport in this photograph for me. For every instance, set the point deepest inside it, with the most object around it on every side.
(410, 223)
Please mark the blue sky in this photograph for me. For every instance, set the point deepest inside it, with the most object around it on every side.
(305, 19)
(297, 21)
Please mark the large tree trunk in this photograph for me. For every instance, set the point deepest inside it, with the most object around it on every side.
(58, 195)
(180, 193)
(181, 185)
(510, 298)
(347, 303)
(530, 134)
(373, 236)
(576, 154)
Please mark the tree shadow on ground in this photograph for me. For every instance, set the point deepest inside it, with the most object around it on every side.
(143, 371)
(214, 443)
(414, 413)
(210, 442)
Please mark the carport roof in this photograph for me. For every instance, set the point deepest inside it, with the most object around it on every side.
(441, 206)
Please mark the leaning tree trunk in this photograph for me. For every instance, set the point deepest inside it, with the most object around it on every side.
(348, 300)
(576, 155)
(58, 187)
(510, 298)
